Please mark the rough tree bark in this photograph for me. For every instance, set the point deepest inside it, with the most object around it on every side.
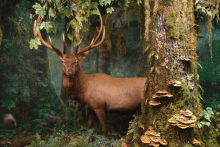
(105, 58)
(171, 50)
(105, 48)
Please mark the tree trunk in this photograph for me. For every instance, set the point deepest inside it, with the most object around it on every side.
(171, 50)
(105, 48)
(69, 52)
(105, 58)
(46, 89)
(97, 61)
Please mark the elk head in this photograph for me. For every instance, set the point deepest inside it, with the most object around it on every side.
(70, 62)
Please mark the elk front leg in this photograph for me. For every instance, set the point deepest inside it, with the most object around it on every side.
(102, 118)
(91, 119)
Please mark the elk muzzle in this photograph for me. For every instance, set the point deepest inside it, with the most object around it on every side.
(70, 72)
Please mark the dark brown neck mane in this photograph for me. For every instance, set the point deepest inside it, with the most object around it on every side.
(73, 86)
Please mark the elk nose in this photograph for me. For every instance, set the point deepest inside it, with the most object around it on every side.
(70, 72)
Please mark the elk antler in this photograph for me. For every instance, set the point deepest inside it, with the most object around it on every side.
(38, 35)
(59, 52)
(92, 44)
(64, 45)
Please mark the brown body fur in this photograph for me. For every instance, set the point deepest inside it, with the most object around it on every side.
(101, 93)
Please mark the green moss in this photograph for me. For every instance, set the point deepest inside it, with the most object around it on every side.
(182, 33)
(184, 91)
(171, 19)
(167, 2)
(169, 24)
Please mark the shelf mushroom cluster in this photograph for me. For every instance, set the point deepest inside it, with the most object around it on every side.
(187, 58)
(152, 138)
(175, 83)
(160, 94)
(183, 120)
(196, 142)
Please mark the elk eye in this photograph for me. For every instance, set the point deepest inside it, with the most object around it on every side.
(62, 61)
(77, 61)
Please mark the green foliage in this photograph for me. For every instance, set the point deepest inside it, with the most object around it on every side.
(1, 36)
(34, 43)
(203, 7)
(39, 10)
(103, 141)
(209, 9)
(79, 9)
(83, 140)
(38, 142)
(216, 118)
(209, 74)
(7, 134)
(13, 78)
(110, 10)
(206, 114)
(121, 3)
(86, 138)
(24, 75)
(134, 127)
(139, 2)
(46, 25)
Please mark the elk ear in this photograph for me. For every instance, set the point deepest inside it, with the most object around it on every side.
(83, 55)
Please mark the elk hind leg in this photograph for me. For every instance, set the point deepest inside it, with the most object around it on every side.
(91, 119)
(102, 118)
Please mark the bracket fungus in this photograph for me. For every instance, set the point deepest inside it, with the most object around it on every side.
(187, 58)
(160, 94)
(154, 102)
(185, 119)
(175, 83)
(196, 25)
(152, 138)
(196, 142)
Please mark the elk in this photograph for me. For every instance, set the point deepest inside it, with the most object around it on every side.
(97, 92)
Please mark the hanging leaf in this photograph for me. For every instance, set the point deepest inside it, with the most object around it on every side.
(94, 4)
(52, 13)
(110, 10)
(139, 2)
(31, 16)
(46, 25)
(70, 37)
(34, 43)
(39, 10)
(107, 2)
(199, 124)
(214, 12)
(209, 110)
(73, 7)
(95, 12)
(205, 123)
(207, 116)
(101, 2)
